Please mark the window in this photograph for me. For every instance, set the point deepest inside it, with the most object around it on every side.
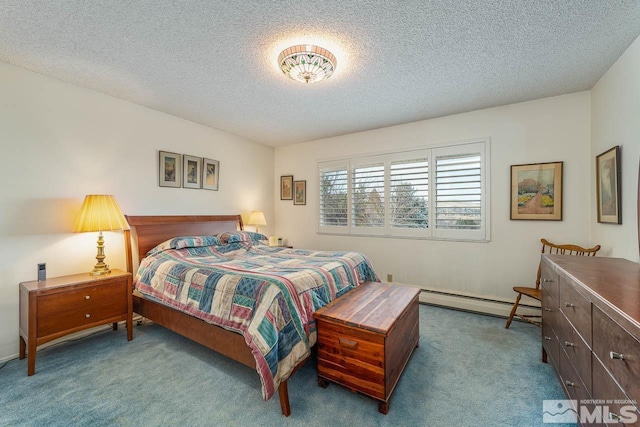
(438, 193)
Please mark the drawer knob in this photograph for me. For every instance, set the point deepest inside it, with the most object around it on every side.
(569, 344)
(547, 309)
(547, 280)
(347, 343)
(568, 304)
(614, 355)
(547, 338)
(87, 297)
(87, 315)
(569, 383)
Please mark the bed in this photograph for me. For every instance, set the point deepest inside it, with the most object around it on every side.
(210, 281)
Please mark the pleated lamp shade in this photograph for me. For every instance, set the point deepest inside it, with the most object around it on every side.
(100, 212)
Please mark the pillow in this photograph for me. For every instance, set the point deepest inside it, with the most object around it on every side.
(240, 236)
(185, 242)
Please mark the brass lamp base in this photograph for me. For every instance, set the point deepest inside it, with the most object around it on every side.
(100, 268)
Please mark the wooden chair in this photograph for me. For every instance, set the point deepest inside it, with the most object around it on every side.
(536, 293)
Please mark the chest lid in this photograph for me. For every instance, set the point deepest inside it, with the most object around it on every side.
(371, 306)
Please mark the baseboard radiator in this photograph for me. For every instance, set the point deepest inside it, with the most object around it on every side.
(477, 304)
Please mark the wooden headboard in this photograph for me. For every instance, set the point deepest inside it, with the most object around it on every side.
(149, 231)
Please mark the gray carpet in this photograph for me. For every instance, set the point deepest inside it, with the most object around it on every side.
(467, 371)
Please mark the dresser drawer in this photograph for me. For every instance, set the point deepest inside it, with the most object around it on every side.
(550, 342)
(571, 381)
(577, 309)
(549, 285)
(615, 400)
(550, 313)
(75, 308)
(352, 357)
(578, 353)
(610, 342)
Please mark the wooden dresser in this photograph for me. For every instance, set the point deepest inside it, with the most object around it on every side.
(62, 305)
(591, 334)
(365, 339)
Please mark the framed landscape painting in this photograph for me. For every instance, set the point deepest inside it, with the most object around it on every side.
(169, 169)
(608, 186)
(536, 191)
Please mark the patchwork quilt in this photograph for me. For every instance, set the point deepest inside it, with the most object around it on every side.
(267, 294)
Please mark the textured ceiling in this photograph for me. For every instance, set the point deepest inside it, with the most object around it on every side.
(214, 61)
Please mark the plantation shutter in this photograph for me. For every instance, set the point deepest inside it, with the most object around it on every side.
(367, 195)
(334, 196)
(409, 193)
(460, 192)
(438, 192)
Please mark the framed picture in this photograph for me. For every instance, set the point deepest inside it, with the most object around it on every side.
(299, 192)
(191, 173)
(536, 191)
(169, 167)
(286, 187)
(608, 186)
(210, 174)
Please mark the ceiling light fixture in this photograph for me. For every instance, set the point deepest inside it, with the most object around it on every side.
(307, 63)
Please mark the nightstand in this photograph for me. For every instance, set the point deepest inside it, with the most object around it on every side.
(62, 305)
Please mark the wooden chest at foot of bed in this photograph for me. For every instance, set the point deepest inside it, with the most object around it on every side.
(365, 339)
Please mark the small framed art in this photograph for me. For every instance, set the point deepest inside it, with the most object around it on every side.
(191, 172)
(299, 192)
(286, 187)
(536, 191)
(169, 167)
(608, 186)
(210, 174)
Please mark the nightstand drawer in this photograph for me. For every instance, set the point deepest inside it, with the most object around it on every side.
(55, 307)
(67, 310)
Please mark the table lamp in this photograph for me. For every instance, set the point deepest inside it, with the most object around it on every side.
(257, 218)
(100, 212)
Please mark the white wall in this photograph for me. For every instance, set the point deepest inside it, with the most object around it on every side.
(59, 142)
(615, 113)
(546, 130)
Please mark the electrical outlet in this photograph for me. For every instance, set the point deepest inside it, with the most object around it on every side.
(389, 277)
